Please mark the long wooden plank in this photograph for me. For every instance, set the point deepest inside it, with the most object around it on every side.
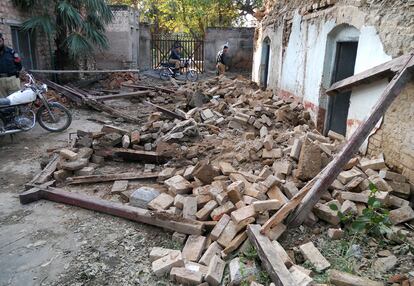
(160, 219)
(120, 95)
(387, 69)
(138, 156)
(110, 178)
(82, 71)
(156, 88)
(46, 174)
(166, 111)
(393, 89)
(271, 260)
(110, 110)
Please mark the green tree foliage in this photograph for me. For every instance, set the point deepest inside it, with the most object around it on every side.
(192, 16)
(77, 26)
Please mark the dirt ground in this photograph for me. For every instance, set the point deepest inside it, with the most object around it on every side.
(46, 243)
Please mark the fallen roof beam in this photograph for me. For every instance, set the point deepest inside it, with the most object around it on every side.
(110, 178)
(160, 219)
(46, 174)
(333, 169)
(156, 88)
(385, 70)
(132, 155)
(166, 111)
(81, 71)
(120, 95)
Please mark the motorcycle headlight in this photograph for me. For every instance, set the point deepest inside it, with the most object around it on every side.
(44, 87)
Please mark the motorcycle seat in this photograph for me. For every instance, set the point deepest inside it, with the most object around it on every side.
(4, 102)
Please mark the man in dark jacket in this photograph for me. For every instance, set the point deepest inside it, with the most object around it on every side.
(10, 67)
(221, 60)
(175, 58)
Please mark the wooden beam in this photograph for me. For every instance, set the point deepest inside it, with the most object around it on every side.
(133, 155)
(46, 174)
(269, 256)
(166, 111)
(110, 110)
(82, 71)
(120, 95)
(110, 178)
(155, 88)
(385, 70)
(160, 219)
(393, 89)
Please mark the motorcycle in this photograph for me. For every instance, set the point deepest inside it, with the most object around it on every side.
(21, 109)
(167, 71)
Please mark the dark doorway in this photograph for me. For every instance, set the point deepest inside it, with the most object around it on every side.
(265, 62)
(338, 105)
(23, 43)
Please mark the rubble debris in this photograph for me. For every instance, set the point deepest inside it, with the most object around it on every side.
(311, 253)
(341, 278)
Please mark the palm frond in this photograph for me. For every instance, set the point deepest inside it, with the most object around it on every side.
(69, 15)
(101, 8)
(95, 36)
(44, 23)
(94, 20)
(78, 45)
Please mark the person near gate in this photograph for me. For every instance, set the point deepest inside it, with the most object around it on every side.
(221, 60)
(175, 58)
(10, 67)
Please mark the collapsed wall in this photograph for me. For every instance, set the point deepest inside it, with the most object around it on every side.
(302, 37)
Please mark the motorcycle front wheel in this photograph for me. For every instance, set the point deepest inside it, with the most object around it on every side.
(192, 75)
(61, 120)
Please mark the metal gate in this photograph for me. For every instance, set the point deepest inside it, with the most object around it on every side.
(192, 49)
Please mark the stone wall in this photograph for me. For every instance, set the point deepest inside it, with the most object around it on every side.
(144, 62)
(11, 16)
(395, 137)
(240, 42)
(123, 40)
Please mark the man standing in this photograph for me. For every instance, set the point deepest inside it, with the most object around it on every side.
(10, 67)
(175, 58)
(221, 60)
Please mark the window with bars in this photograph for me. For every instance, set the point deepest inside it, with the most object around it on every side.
(24, 44)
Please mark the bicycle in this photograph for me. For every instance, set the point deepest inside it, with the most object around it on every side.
(167, 71)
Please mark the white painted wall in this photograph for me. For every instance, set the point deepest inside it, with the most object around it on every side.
(303, 69)
(293, 63)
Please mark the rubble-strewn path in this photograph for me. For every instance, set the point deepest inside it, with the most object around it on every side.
(45, 243)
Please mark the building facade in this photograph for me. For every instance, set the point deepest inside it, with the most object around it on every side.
(32, 47)
(302, 47)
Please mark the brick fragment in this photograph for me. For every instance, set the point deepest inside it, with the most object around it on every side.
(162, 266)
(194, 247)
(215, 271)
(311, 253)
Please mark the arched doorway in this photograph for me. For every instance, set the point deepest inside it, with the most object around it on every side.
(265, 59)
(341, 52)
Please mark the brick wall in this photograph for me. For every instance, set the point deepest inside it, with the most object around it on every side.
(395, 137)
(11, 16)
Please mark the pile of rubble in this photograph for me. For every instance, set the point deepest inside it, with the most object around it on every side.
(234, 156)
(115, 80)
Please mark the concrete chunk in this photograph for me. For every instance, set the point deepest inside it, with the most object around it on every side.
(345, 279)
(185, 276)
(162, 266)
(311, 253)
(143, 196)
(219, 227)
(215, 271)
(401, 215)
(68, 154)
(213, 249)
(194, 247)
(261, 206)
(190, 208)
(162, 202)
(119, 186)
(243, 213)
(178, 185)
(159, 252)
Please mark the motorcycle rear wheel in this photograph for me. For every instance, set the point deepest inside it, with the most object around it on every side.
(63, 117)
(165, 74)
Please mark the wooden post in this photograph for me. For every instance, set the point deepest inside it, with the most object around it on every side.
(392, 90)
